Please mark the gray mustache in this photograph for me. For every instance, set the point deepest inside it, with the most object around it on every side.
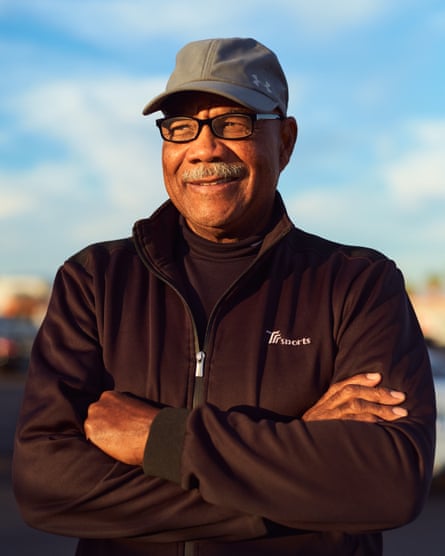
(218, 170)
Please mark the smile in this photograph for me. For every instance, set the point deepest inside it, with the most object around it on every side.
(211, 182)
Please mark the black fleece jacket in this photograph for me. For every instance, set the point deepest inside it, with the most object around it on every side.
(230, 467)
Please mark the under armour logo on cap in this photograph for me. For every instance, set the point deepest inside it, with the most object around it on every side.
(259, 83)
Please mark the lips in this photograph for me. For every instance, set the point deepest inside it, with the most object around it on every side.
(211, 182)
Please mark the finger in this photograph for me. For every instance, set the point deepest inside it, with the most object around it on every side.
(363, 417)
(359, 408)
(365, 379)
(364, 411)
(370, 417)
(373, 394)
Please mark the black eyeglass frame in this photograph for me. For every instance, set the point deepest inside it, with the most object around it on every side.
(209, 121)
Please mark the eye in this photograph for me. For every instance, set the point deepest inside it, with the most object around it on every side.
(180, 128)
(233, 125)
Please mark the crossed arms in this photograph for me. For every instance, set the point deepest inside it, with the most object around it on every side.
(120, 425)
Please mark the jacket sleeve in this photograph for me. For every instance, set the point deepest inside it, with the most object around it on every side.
(65, 485)
(323, 475)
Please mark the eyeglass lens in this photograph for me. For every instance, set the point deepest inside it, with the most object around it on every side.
(226, 126)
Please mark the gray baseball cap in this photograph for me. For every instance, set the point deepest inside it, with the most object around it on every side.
(240, 69)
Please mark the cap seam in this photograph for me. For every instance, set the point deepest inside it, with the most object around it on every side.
(209, 59)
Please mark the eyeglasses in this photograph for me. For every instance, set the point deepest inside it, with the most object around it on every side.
(233, 126)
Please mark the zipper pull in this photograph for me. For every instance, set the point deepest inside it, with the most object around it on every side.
(199, 369)
(198, 388)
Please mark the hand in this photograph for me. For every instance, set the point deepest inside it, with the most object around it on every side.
(360, 399)
(119, 425)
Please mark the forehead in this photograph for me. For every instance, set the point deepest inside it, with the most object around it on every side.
(189, 103)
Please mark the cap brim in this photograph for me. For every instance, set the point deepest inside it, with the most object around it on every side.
(245, 97)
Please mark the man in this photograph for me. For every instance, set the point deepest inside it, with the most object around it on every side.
(223, 382)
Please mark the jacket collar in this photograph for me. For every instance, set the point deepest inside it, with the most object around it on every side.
(155, 237)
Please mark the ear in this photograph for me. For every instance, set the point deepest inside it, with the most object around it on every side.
(289, 132)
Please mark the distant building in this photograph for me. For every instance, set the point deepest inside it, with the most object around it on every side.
(430, 309)
(24, 296)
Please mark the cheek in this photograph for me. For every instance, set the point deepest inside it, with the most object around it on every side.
(268, 164)
(171, 161)
(265, 155)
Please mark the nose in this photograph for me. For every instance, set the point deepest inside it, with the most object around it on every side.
(206, 147)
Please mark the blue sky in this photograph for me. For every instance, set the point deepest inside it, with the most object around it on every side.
(79, 163)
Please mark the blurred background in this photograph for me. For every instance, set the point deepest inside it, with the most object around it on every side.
(79, 163)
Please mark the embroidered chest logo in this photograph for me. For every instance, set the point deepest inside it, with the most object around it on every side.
(277, 338)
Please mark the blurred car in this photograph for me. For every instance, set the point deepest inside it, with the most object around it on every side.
(16, 339)
(437, 358)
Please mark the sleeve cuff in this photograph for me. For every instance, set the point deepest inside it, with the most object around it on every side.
(163, 451)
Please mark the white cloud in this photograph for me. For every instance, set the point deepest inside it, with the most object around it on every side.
(346, 213)
(104, 174)
(437, 20)
(100, 125)
(418, 174)
(321, 17)
(13, 202)
(354, 215)
(111, 21)
(397, 207)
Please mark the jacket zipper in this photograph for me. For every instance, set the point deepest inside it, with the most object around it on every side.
(200, 354)
(198, 387)
(198, 391)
